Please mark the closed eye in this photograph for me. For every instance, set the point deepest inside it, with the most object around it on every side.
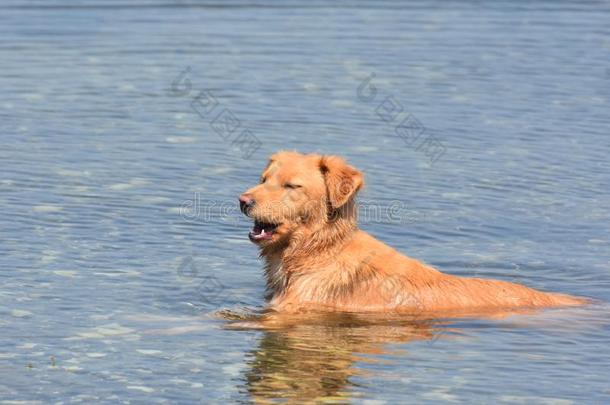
(292, 185)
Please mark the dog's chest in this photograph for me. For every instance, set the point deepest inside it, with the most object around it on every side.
(276, 277)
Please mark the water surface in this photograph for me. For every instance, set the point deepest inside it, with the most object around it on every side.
(120, 240)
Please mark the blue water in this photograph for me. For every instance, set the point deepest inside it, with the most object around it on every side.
(122, 253)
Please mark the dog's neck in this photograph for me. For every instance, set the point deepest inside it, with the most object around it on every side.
(322, 240)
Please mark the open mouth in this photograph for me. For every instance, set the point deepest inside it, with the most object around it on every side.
(262, 231)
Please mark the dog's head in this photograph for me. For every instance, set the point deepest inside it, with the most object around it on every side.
(299, 193)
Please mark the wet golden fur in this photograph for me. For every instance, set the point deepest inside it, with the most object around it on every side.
(318, 259)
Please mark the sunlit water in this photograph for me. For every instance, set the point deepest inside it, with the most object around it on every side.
(120, 241)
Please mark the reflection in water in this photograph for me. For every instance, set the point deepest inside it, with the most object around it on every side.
(312, 358)
(285, 366)
(97, 157)
(323, 357)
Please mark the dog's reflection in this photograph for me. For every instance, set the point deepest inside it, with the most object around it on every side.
(313, 359)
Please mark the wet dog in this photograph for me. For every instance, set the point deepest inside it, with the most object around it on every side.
(304, 214)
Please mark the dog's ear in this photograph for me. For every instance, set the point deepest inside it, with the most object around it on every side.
(342, 180)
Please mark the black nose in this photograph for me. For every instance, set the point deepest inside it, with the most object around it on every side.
(245, 203)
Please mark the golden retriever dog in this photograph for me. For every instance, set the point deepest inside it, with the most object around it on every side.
(317, 259)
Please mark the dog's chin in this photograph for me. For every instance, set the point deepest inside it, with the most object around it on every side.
(264, 232)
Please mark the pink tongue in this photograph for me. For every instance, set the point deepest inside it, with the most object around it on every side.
(259, 232)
